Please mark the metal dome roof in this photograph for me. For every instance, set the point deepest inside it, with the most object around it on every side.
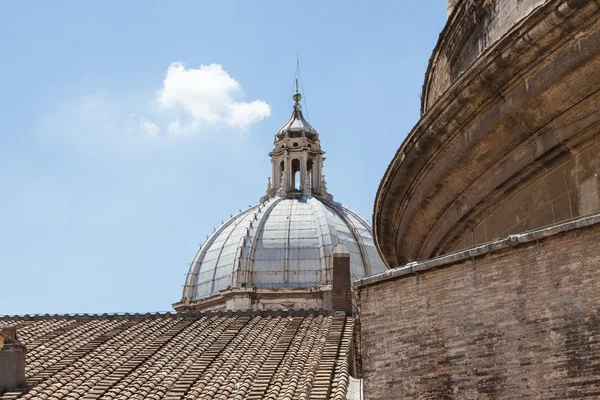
(282, 243)
(297, 124)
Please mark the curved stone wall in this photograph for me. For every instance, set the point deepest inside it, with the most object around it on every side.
(473, 27)
(521, 124)
(567, 191)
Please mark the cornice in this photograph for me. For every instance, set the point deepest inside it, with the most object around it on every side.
(475, 91)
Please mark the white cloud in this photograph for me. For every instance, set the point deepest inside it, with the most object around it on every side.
(207, 95)
(203, 102)
(149, 127)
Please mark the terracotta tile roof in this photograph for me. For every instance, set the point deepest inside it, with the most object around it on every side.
(300, 355)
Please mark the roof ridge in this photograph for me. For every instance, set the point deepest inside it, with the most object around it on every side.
(169, 314)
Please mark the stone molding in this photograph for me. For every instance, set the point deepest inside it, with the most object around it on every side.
(461, 137)
(414, 268)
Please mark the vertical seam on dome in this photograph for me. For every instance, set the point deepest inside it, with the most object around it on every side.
(197, 263)
(261, 223)
(324, 257)
(239, 247)
(357, 237)
(367, 228)
(263, 219)
(241, 244)
(286, 244)
(239, 220)
(359, 217)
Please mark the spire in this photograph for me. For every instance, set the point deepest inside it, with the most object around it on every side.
(297, 124)
(297, 158)
(297, 96)
(297, 71)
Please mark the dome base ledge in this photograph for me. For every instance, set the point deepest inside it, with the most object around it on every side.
(260, 299)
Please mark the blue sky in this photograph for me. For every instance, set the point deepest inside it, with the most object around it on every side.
(131, 129)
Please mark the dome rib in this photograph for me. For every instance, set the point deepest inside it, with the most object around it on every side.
(366, 228)
(191, 282)
(325, 258)
(355, 233)
(279, 253)
(285, 244)
(254, 239)
(239, 220)
(241, 244)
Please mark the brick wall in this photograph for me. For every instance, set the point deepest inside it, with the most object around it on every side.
(519, 322)
(341, 283)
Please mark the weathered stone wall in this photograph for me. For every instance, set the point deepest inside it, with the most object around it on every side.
(519, 322)
(568, 191)
(475, 26)
(450, 4)
(506, 148)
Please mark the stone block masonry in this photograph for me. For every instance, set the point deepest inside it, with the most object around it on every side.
(518, 322)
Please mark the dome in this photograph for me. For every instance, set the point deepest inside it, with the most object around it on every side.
(282, 243)
(296, 249)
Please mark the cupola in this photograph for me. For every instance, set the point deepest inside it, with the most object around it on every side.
(296, 249)
(297, 158)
